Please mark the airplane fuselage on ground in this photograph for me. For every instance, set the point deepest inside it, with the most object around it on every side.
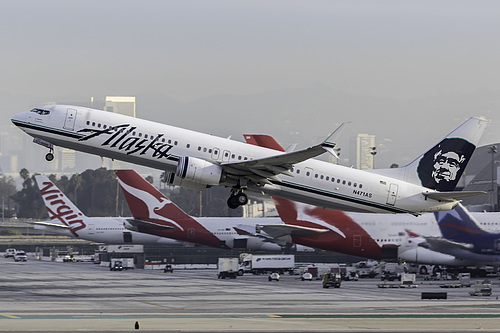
(213, 160)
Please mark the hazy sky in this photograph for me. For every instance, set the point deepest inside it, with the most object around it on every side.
(294, 69)
(190, 49)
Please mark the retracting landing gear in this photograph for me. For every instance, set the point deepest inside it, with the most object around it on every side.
(237, 198)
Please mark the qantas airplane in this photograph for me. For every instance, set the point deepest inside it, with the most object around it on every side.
(196, 160)
(155, 214)
(389, 237)
(66, 219)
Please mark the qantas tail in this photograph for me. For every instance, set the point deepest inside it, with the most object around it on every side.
(146, 202)
(458, 225)
(62, 211)
(441, 167)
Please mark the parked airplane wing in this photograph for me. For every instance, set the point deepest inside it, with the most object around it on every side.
(452, 196)
(137, 222)
(268, 167)
(446, 246)
(278, 230)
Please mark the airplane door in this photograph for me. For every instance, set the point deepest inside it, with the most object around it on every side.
(91, 229)
(356, 241)
(308, 175)
(215, 153)
(393, 194)
(226, 155)
(191, 233)
(69, 122)
(127, 237)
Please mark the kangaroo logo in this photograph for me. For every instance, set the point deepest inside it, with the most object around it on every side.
(154, 204)
(58, 209)
(441, 167)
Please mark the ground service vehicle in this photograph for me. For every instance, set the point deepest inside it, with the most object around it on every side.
(227, 267)
(262, 264)
(9, 253)
(20, 256)
(331, 280)
(274, 277)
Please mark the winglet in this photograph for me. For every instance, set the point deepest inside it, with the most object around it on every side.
(331, 141)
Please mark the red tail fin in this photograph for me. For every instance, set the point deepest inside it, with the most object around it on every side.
(144, 200)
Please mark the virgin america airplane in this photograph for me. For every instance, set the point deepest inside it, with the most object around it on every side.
(196, 160)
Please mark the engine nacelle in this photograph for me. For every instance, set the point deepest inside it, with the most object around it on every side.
(198, 171)
(173, 180)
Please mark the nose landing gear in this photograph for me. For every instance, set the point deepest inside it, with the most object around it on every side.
(50, 155)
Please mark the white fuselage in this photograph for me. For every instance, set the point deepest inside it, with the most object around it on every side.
(161, 146)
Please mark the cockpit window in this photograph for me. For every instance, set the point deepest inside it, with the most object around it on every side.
(41, 111)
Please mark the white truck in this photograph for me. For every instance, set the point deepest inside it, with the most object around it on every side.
(262, 264)
(227, 268)
(117, 264)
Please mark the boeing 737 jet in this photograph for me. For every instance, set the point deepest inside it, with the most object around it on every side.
(155, 214)
(196, 160)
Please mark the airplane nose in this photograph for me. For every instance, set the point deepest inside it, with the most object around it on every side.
(18, 118)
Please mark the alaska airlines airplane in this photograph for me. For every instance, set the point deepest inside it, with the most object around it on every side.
(66, 219)
(196, 160)
(155, 214)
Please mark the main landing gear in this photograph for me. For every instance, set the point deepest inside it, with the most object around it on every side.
(237, 198)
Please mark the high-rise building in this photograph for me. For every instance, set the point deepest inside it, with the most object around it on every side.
(120, 104)
(365, 151)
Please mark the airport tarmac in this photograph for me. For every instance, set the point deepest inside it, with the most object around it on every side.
(46, 296)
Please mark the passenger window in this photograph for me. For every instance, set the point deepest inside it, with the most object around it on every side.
(343, 182)
(188, 145)
(308, 173)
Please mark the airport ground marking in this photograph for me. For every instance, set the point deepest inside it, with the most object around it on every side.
(11, 317)
(162, 306)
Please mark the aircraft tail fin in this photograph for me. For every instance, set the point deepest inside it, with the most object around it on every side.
(61, 210)
(458, 224)
(441, 167)
(263, 140)
(145, 201)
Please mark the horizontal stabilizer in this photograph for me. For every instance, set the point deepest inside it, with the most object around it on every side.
(451, 196)
(48, 224)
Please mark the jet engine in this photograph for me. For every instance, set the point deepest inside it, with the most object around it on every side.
(195, 173)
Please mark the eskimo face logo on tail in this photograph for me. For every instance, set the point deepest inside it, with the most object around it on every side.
(442, 166)
(58, 209)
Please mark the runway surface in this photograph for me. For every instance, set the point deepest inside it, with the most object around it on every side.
(47, 296)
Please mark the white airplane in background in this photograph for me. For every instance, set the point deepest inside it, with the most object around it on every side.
(155, 214)
(66, 219)
(197, 160)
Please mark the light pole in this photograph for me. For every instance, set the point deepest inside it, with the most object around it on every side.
(373, 151)
(493, 151)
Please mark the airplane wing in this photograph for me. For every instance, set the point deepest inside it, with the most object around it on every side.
(133, 224)
(451, 196)
(446, 246)
(277, 230)
(258, 170)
